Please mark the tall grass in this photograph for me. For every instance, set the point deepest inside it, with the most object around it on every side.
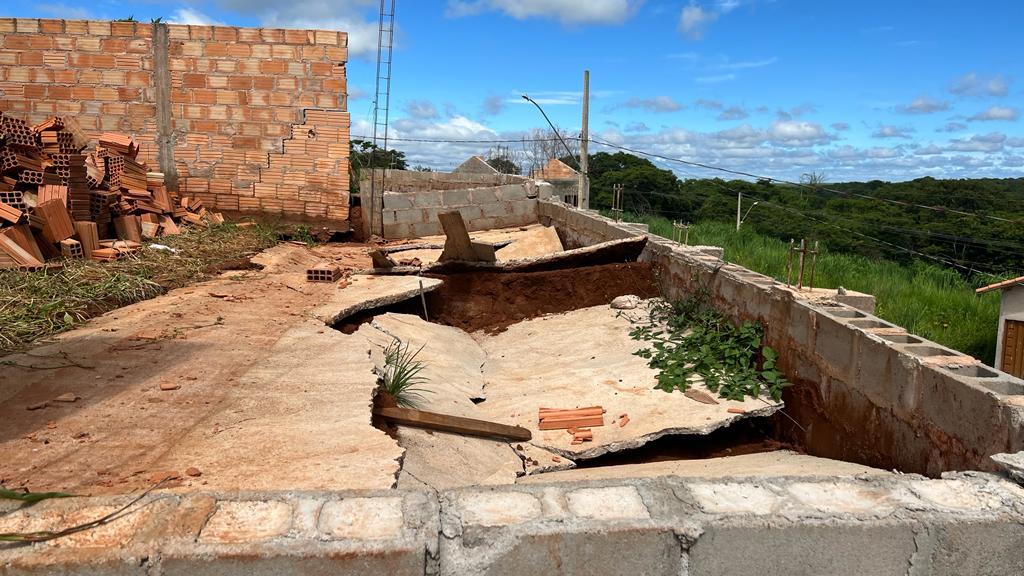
(927, 300)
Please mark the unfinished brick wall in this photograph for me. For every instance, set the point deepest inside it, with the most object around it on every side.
(214, 107)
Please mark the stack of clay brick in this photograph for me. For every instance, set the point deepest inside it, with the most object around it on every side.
(576, 421)
(58, 199)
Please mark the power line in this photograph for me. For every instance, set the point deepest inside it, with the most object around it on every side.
(468, 141)
(941, 209)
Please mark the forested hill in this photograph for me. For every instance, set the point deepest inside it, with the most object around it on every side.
(893, 220)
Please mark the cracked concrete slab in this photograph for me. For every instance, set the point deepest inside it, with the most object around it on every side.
(536, 242)
(366, 292)
(585, 358)
(452, 363)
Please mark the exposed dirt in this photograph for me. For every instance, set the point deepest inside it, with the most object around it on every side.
(492, 301)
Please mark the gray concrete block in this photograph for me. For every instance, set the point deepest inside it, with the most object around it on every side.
(807, 550)
(496, 210)
(963, 410)
(976, 548)
(835, 344)
(411, 216)
(395, 201)
(483, 196)
(453, 198)
(428, 199)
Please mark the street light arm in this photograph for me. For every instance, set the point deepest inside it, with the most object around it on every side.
(555, 130)
(744, 219)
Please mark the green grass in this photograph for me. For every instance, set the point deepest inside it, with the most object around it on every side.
(38, 304)
(927, 300)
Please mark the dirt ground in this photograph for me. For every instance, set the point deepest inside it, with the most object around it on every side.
(231, 377)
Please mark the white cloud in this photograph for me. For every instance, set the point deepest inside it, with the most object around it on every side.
(566, 11)
(732, 113)
(694, 20)
(637, 127)
(708, 104)
(991, 142)
(421, 109)
(996, 113)
(798, 133)
(744, 65)
(952, 127)
(656, 104)
(350, 16)
(840, 126)
(1015, 142)
(923, 105)
(890, 131)
(186, 15)
(975, 85)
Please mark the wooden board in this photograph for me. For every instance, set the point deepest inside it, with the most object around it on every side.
(455, 424)
(1013, 348)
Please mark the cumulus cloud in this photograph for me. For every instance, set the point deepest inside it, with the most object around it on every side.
(656, 104)
(991, 142)
(805, 108)
(952, 127)
(186, 15)
(733, 113)
(1015, 142)
(422, 109)
(708, 104)
(923, 105)
(351, 16)
(996, 113)
(976, 85)
(694, 20)
(890, 131)
(566, 11)
(798, 133)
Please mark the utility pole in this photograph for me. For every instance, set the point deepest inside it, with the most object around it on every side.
(739, 207)
(583, 197)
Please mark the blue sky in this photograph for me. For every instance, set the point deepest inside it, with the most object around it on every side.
(855, 90)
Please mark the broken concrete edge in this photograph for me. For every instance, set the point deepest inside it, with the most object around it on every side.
(942, 417)
(954, 525)
(633, 443)
(612, 251)
(1012, 464)
(330, 314)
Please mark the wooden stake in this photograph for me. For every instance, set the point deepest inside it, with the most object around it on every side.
(456, 424)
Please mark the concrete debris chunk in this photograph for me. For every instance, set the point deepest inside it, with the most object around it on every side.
(627, 302)
(1013, 464)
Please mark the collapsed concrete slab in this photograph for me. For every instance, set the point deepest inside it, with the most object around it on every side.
(539, 241)
(586, 358)
(368, 292)
(780, 463)
(611, 252)
(451, 366)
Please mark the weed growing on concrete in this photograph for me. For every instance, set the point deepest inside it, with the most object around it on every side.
(401, 376)
(691, 340)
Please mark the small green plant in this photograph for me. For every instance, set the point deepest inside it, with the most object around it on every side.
(690, 339)
(304, 234)
(401, 378)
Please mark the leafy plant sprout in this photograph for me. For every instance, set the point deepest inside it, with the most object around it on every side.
(401, 376)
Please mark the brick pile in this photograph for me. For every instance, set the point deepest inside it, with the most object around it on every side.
(58, 199)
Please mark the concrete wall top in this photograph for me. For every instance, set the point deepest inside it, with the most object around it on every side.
(964, 524)
(411, 181)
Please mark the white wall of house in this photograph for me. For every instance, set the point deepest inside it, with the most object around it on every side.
(1011, 308)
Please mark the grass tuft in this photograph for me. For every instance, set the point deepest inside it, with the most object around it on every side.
(401, 378)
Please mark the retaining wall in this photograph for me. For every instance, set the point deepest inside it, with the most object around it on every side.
(210, 106)
(865, 390)
(971, 524)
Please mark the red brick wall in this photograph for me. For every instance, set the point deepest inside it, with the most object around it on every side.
(235, 96)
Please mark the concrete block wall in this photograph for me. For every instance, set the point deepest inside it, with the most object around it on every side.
(412, 201)
(209, 105)
(865, 390)
(963, 524)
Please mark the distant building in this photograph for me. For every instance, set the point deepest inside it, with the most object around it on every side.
(1010, 339)
(559, 174)
(475, 165)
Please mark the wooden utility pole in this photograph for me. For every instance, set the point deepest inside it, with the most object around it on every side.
(583, 197)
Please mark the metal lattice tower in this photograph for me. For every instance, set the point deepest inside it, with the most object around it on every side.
(381, 104)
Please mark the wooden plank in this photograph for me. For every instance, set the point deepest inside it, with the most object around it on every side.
(455, 424)
(88, 236)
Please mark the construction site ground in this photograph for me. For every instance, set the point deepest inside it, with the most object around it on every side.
(242, 383)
